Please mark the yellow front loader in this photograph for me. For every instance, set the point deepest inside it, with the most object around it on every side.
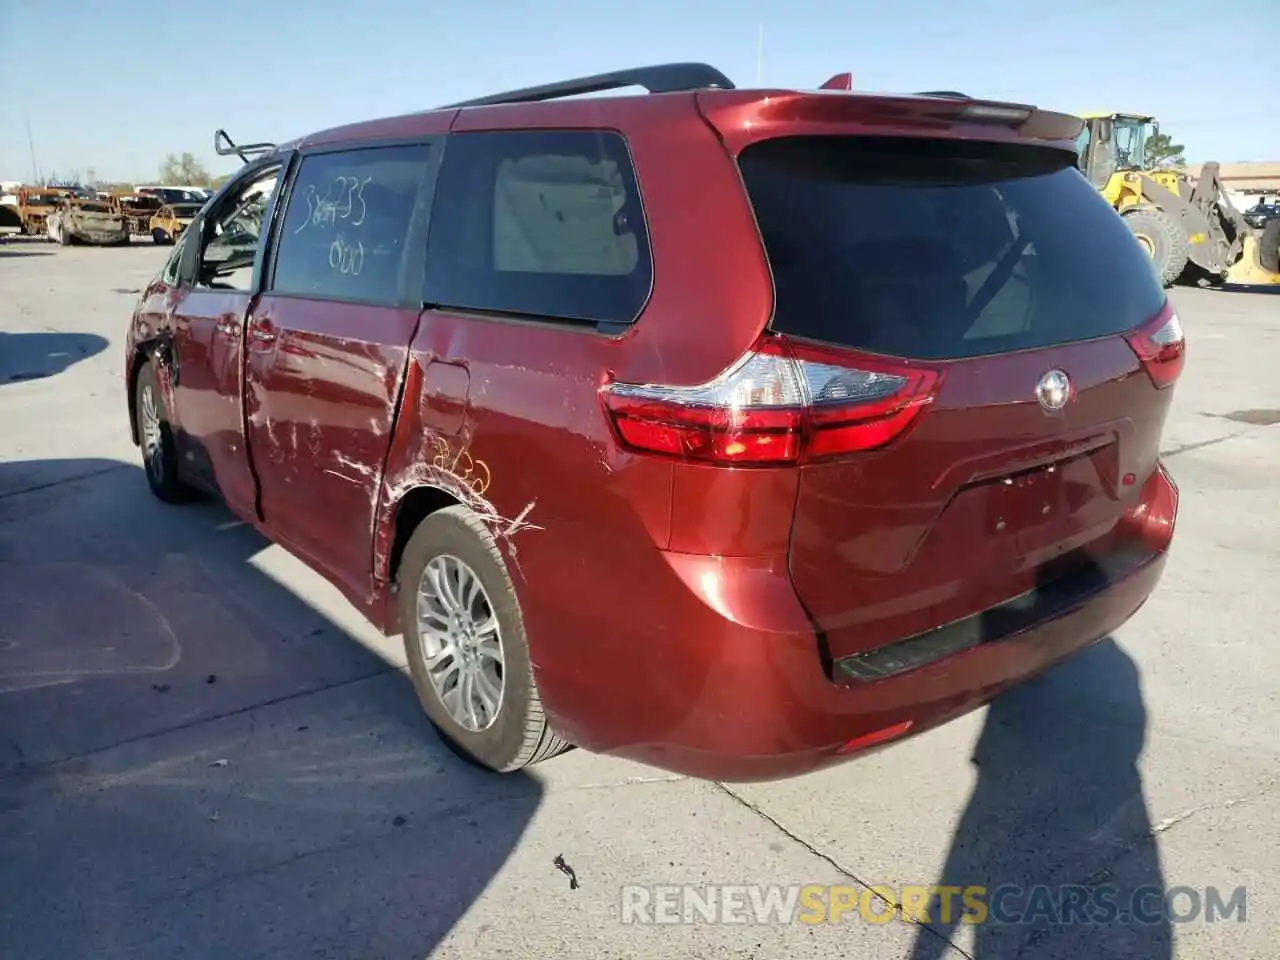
(1184, 224)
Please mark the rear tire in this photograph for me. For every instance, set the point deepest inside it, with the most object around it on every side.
(490, 641)
(159, 452)
(1269, 246)
(1163, 239)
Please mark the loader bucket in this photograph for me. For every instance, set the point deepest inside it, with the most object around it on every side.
(1249, 271)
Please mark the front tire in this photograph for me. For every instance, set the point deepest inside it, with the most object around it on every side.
(159, 237)
(1163, 239)
(465, 643)
(155, 436)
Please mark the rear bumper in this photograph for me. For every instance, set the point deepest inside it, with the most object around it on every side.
(739, 692)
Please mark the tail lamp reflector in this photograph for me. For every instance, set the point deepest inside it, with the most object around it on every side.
(1161, 346)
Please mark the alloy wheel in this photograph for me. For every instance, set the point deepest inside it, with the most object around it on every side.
(461, 642)
(152, 437)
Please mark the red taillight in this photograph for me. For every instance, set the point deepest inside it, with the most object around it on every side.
(1161, 346)
(781, 403)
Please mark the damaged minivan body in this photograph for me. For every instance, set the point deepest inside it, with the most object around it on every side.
(738, 432)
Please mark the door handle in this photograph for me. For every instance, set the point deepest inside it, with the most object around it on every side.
(262, 335)
(228, 327)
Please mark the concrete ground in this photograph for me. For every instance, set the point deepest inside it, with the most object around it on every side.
(205, 753)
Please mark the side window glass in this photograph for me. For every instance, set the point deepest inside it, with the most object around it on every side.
(232, 232)
(539, 223)
(347, 226)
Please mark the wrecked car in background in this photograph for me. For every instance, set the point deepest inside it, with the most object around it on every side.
(167, 223)
(137, 209)
(27, 208)
(87, 221)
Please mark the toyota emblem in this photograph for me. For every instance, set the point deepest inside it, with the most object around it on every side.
(1053, 390)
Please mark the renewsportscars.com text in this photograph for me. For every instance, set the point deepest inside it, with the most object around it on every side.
(1008, 904)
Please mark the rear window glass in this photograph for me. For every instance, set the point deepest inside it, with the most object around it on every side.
(539, 223)
(936, 250)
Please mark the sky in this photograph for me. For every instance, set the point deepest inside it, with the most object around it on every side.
(114, 87)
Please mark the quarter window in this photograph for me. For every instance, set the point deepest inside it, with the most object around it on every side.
(348, 225)
(539, 223)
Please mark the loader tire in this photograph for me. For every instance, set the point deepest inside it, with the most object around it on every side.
(1269, 246)
(1164, 240)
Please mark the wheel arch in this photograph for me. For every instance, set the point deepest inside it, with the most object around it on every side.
(143, 352)
(406, 512)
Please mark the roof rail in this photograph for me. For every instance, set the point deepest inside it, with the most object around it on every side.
(225, 147)
(660, 78)
(948, 94)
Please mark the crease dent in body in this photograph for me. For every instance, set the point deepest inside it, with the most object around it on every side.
(468, 488)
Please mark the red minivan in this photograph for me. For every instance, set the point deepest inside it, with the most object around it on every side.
(734, 431)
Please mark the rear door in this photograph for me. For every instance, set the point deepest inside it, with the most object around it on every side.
(328, 345)
(1003, 270)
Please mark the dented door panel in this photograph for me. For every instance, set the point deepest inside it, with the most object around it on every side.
(526, 448)
(320, 399)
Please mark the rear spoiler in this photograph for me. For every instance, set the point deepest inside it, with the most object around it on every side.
(1031, 120)
(224, 146)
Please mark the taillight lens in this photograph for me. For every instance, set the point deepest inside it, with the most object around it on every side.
(1161, 346)
(781, 403)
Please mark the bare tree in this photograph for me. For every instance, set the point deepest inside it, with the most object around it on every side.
(183, 169)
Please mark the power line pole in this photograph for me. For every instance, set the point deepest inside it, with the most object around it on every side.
(35, 167)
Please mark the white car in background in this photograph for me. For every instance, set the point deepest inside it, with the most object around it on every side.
(176, 194)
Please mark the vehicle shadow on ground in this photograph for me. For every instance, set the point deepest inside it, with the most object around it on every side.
(1273, 289)
(10, 249)
(196, 762)
(1059, 803)
(34, 356)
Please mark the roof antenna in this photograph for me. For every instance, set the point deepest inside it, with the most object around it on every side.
(760, 57)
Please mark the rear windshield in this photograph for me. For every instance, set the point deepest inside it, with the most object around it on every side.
(934, 250)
